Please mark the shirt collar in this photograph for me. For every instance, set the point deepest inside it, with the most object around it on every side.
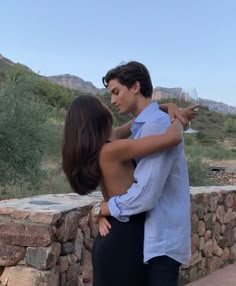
(146, 114)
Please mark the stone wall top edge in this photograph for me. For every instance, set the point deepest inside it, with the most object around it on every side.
(51, 203)
(212, 189)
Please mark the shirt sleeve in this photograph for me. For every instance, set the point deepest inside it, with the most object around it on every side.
(150, 176)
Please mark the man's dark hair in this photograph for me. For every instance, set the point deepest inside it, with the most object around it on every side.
(127, 74)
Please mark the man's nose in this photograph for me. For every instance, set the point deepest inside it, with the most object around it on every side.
(113, 100)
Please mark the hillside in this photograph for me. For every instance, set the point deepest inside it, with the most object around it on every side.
(5, 63)
(215, 139)
(76, 83)
(58, 91)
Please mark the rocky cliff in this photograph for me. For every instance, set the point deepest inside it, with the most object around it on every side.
(178, 94)
(75, 82)
(218, 106)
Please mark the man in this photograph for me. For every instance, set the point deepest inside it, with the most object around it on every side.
(161, 187)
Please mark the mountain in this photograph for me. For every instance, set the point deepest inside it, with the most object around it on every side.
(5, 63)
(77, 83)
(178, 94)
(218, 106)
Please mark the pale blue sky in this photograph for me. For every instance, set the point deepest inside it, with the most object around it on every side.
(184, 43)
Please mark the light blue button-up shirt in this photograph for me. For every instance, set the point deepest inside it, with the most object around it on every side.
(161, 189)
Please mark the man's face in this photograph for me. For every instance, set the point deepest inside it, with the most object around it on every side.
(122, 97)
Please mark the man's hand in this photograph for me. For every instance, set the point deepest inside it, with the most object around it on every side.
(100, 219)
(93, 218)
(190, 112)
(103, 226)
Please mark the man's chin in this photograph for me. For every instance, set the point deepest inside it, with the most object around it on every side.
(122, 112)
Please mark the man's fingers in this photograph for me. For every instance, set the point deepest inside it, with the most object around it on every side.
(108, 224)
(104, 226)
(103, 230)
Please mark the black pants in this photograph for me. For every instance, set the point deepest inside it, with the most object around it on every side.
(118, 257)
(163, 271)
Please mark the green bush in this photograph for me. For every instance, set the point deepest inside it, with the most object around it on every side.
(188, 139)
(230, 125)
(49, 92)
(214, 152)
(198, 172)
(24, 133)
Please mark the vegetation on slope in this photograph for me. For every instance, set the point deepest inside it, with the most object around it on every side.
(32, 113)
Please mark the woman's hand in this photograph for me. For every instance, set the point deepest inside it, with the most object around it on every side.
(103, 226)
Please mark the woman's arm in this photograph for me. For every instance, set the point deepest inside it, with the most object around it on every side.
(174, 112)
(184, 115)
(126, 149)
(122, 132)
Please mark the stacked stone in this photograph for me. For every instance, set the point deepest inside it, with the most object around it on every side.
(213, 233)
(47, 240)
(43, 245)
(223, 178)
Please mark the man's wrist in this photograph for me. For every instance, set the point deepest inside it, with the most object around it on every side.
(101, 209)
(97, 209)
(104, 210)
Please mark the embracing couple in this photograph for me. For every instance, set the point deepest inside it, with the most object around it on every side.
(144, 220)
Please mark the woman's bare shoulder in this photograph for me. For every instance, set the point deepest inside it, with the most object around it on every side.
(106, 149)
(109, 150)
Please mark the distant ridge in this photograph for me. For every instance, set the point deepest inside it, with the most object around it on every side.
(4, 62)
(77, 83)
(164, 92)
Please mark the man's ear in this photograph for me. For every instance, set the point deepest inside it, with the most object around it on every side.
(136, 87)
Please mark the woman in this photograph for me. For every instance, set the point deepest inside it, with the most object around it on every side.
(94, 155)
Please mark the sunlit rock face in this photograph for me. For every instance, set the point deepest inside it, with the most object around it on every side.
(179, 95)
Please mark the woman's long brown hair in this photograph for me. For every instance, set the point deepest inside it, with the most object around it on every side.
(88, 126)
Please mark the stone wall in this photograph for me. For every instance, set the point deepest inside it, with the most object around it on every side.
(213, 214)
(47, 240)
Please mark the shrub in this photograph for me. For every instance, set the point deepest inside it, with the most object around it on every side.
(198, 172)
(23, 132)
(230, 125)
(188, 140)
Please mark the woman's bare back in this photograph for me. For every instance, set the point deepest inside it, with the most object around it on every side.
(115, 158)
(117, 177)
